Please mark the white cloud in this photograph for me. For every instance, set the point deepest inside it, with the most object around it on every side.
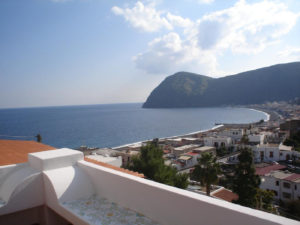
(170, 53)
(290, 54)
(144, 17)
(179, 21)
(205, 1)
(245, 28)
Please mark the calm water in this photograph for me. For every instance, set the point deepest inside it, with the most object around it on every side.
(113, 125)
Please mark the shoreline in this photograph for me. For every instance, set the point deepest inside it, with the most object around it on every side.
(200, 131)
(267, 114)
(176, 136)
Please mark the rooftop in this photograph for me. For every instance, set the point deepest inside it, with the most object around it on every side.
(15, 151)
(267, 169)
(184, 147)
(225, 194)
(204, 148)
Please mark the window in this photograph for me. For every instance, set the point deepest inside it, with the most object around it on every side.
(295, 186)
(286, 185)
(280, 154)
(271, 155)
(286, 195)
(277, 183)
(275, 192)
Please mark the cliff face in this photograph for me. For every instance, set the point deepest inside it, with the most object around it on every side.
(275, 83)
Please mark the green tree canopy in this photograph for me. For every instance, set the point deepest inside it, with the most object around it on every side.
(246, 182)
(264, 199)
(150, 162)
(206, 171)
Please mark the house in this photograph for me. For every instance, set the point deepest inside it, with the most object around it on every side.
(284, 184)
(184, 149)
(127, 156)
(291, 126)
(254, 139)
(272, 152)
(201, 150)
(218, 141)
(235, 134)
(60, 187)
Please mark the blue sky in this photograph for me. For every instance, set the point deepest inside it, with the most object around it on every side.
(73, 52)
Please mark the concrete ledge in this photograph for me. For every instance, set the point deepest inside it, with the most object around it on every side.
(54, 159)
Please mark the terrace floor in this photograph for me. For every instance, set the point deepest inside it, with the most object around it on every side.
(99, 211)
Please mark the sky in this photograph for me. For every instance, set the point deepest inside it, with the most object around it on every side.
(78, 52)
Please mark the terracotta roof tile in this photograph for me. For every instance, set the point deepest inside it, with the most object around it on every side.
(293, 177)
(267, 169)
(114, 167)
(16, 151)
(226, 195)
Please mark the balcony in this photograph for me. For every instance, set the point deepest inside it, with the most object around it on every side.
(81, 192)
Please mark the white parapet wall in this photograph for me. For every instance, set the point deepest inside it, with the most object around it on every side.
(170, 205)
(58, 176)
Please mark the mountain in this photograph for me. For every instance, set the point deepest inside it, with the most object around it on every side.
(275, 83)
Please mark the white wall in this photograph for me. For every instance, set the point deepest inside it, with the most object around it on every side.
(169, 205)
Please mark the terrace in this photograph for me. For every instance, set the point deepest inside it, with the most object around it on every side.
(74, 191)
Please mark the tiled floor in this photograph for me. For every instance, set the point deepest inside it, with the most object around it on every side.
(99, 211)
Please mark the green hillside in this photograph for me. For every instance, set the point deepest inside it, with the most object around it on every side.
(183, 89)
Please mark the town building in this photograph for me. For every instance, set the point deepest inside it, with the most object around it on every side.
(184, 149)
(284, 184)
(256, 139)
(272, 152)
(218, 141)
(202, 149)
(235, 134)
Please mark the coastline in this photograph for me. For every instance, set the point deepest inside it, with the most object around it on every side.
(269, 117)
(176, 136)
(267, 114)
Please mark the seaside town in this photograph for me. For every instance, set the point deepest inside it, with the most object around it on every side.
(276, 157)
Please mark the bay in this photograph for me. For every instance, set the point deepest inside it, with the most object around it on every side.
(112, 125)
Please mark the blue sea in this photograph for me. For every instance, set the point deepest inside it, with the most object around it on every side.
(113, 125)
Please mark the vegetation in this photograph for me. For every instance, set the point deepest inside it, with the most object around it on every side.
(206, 171)
(245, 139)
(246, 182)
(185, 89)
(38, 138)
(222, 151)
(150, 162)
(294, 141)
(264, 200)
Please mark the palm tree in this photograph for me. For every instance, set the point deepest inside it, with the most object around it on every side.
(206, 171)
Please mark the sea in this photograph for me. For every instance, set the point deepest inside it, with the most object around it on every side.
(112, 125)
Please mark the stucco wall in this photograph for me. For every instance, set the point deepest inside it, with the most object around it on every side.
(169, 205)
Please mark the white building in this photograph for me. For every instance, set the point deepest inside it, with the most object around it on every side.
(202, 149)
(235, 134)
(218, 141)
(183, 149)
(284, 184)
(60, 187)
(255, 139)
(115, 161)
(272, 152)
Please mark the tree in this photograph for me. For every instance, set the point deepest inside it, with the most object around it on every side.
(264, 199)
(246, 182)
(245, 139)
(150, 162)
(38, 138)
(206, 171)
